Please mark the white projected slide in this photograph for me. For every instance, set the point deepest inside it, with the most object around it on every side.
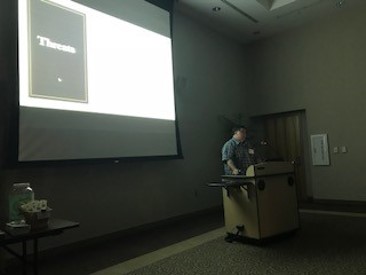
(120, 68)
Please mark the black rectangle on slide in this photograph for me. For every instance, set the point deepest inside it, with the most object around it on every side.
(58, 52)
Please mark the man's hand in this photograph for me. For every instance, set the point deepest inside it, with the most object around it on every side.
(235, 171)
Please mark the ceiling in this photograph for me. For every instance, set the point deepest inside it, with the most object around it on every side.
(248, 20)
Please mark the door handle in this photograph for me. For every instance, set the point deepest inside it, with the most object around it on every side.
(296, 161)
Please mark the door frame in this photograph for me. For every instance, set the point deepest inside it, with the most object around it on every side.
(304, 192)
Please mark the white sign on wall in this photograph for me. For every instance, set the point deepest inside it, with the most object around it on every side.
(319, 149)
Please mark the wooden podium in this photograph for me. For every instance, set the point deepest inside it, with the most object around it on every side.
(261, 204)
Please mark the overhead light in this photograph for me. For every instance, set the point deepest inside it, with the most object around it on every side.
(340, 3)
(216, 9)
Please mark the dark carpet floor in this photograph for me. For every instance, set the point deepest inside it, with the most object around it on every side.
(346, 240)
(325, 244)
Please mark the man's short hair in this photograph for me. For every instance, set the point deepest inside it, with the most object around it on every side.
(238, 128)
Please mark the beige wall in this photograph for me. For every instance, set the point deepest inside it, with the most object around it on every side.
(320, 68)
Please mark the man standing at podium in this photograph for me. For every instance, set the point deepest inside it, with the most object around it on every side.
(237, 153)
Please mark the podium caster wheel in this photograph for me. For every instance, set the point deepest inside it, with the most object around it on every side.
(229, 239)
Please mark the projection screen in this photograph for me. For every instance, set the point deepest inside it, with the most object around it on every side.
(95, 80)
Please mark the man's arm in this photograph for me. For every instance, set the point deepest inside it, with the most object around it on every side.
(228, 152)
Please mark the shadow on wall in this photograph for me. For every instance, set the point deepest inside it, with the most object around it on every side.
(232, 121)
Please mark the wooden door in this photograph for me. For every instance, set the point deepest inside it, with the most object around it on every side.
(283, 139)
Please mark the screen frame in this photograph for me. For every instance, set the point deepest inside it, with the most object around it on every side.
(11, 134)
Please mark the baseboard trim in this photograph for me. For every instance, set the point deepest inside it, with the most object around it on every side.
(334, 205)
(335, 213)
